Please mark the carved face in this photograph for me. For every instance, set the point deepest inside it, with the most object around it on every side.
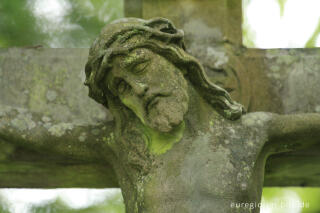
(152, 87)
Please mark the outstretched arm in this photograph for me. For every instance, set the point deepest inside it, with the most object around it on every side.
(23, 128)
(291, 132)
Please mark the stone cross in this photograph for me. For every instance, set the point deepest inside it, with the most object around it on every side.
(52, 135)
(283, 81)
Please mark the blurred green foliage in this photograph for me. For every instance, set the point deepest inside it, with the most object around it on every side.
(305, 198)
(32, 23)
(313, 39)
(249, 34)
(74, 23)
(112, 204)
(282, 4)
(17, 25)
(3, 206)
(310, 196)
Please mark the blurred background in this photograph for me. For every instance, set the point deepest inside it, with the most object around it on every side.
(75, 24)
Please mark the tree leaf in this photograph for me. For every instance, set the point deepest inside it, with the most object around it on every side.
(313, 39)
(282, 4)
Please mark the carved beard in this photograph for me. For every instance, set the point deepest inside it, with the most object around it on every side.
(168, 112)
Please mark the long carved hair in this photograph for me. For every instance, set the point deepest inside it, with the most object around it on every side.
(160, 36)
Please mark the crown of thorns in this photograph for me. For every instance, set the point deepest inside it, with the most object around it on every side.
(162, 37)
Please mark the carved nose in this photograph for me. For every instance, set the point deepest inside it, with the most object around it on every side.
(140, 88)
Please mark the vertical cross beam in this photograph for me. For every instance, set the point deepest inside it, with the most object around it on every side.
(210, 26)
(217, 20)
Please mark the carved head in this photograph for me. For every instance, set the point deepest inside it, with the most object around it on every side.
(143, 65)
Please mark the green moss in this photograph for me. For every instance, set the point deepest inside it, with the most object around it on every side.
(38, 90)
(159, 142)
(59, 130)
(135, 106)
(287, 59)
(5, 150)
(109, 139)
(82, 137)
(51, 95)
(60, 78)
(131, 58)
(23, 122)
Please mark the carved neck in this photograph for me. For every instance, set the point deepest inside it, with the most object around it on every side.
(200, 112)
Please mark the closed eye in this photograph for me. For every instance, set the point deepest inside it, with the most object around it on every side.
(140, 67)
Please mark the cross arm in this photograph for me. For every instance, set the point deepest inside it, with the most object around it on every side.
(292, 132)
(76, 140)
(286, 81)
(52, 134)
(294, 144)
(35, 153)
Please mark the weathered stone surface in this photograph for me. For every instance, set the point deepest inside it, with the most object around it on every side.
(181, 140)
(273, 77)
(133, 8)
(50, 82)
(286, 81)
(44, 106)
(25, 168)
(300, 168)
(44, 113)
(195, 17)
(290, 76)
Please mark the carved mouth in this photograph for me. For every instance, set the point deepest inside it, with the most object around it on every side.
(153, 100)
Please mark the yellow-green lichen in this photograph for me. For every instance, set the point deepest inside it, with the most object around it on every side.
(160, 142)
(109, 139)
(5, 150)
(95, 132)
(51, 95)
(38, 90)
(59, 130)
(135, 107)
(82, 137)
(23, 122)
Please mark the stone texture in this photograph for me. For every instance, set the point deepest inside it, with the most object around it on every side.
(44, 106)
(197, 16)
(291, 77)
(181, 141)
(273, 77)
(50, 82)
(25, 168)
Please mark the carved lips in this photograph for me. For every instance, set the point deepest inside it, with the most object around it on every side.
(153, 100)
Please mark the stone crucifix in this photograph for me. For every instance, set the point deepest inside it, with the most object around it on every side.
(178, 142)
(181, 144)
